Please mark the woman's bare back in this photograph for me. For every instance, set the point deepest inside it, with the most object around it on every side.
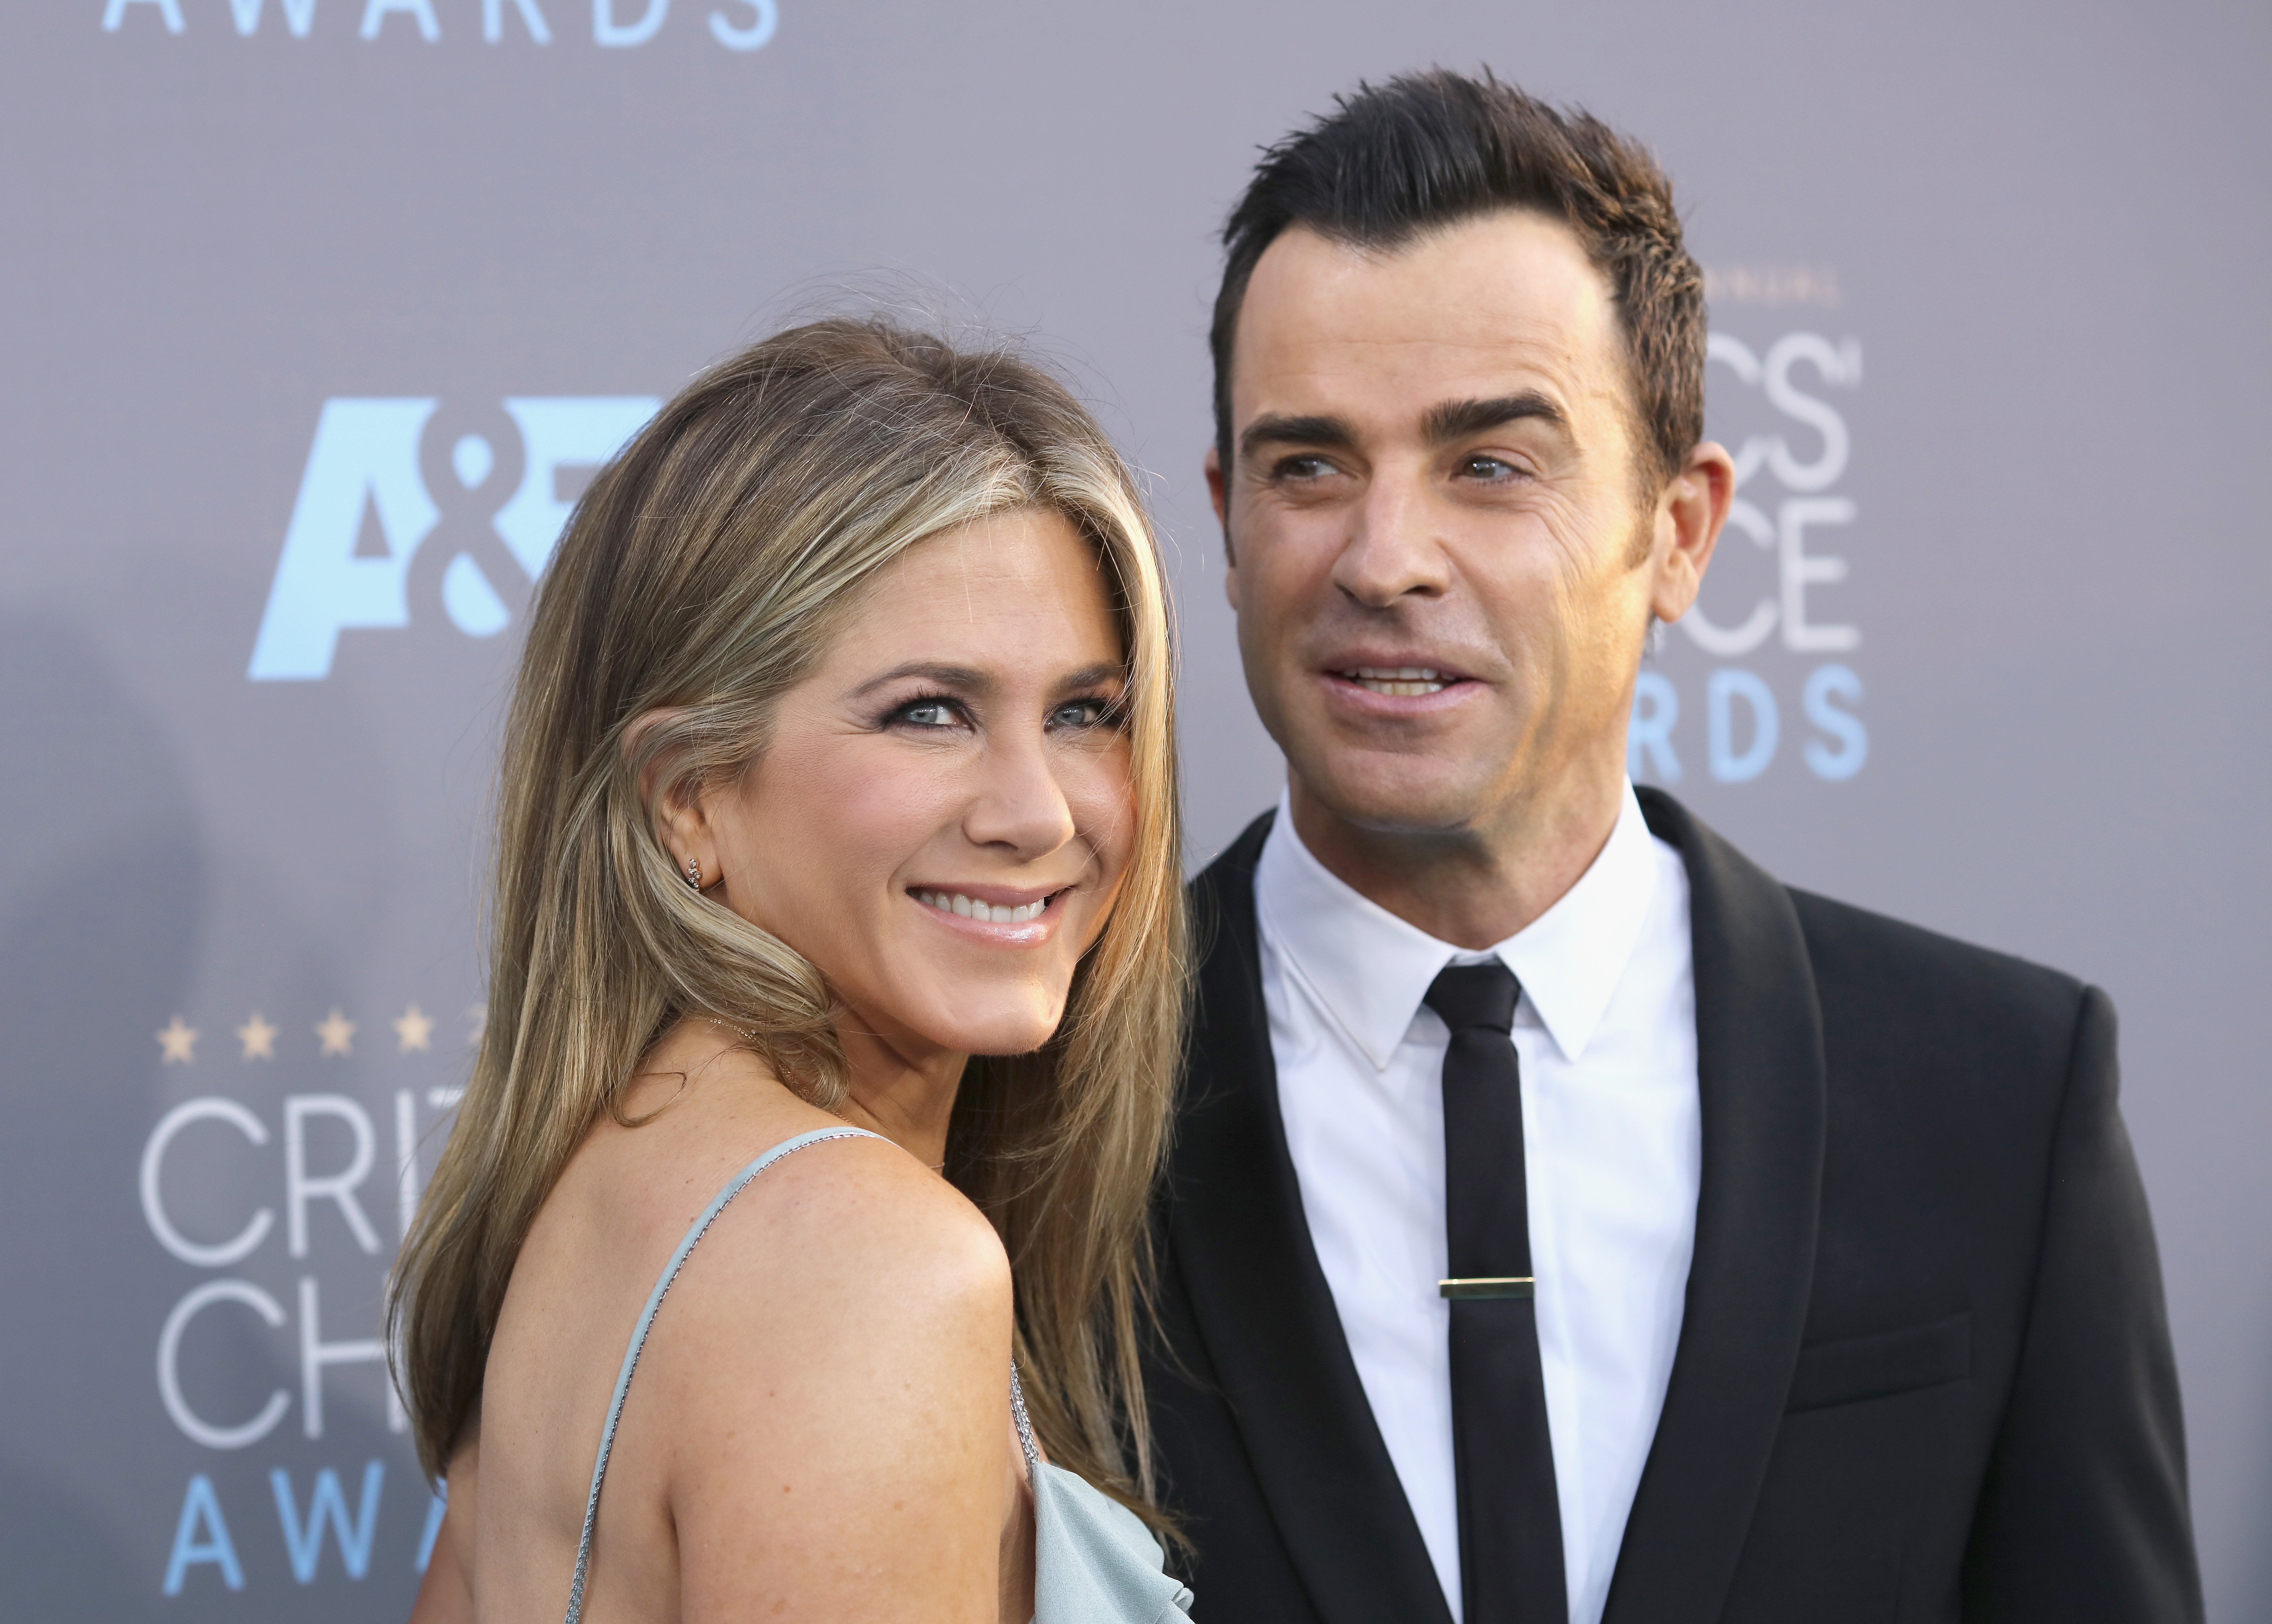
(820, 1424)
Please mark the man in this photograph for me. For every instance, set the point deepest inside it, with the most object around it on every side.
(1567, 1220)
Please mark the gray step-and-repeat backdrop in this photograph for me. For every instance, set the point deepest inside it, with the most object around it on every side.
(316, 315)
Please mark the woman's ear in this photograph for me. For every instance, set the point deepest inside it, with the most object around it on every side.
(672, 798)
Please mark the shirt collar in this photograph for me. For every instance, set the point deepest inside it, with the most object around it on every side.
(1370, 970)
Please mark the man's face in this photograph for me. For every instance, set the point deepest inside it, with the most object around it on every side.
(1442, 560)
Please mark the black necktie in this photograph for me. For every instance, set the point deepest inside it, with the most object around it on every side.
(1510, 1520)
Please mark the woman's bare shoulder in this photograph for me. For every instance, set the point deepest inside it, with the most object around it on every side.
(840, 1361)
(842, 1220)
(861, 1225)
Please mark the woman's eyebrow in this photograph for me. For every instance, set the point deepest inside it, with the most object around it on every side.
(971, 680)
(967, 677)
(1090, 676)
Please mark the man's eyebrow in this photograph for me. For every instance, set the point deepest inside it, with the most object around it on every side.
(1277, 430)
(968, 678)
(1456, 420)
(1453, 420)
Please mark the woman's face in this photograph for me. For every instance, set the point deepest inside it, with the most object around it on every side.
(943, 812)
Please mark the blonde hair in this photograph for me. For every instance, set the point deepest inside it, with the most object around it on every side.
(702, 575)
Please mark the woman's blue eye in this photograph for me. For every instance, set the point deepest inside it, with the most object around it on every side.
(1080, 713)
(928, 713)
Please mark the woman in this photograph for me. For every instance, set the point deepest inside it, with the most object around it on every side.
(838, 854)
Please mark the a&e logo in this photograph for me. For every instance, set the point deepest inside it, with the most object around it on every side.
(367, 507)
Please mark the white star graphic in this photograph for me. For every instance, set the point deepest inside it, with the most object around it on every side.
(177, 1043)
(412, 1029)
(338, 1033)
(258, 1038)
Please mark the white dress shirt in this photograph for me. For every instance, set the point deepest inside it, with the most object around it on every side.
(1605, 1035)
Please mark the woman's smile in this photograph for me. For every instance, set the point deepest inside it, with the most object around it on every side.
(994, 913)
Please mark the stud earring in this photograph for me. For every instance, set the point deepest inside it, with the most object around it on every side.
(693, 874)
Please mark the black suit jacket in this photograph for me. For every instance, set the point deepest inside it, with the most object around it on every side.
(1924, 1370)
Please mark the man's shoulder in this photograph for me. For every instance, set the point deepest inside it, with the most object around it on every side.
(1222, 893)
(1887, 970)
(1862, 960)
(1235, 863)
(1902, 959)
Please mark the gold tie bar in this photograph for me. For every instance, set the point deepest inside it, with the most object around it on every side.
(1499, 1285)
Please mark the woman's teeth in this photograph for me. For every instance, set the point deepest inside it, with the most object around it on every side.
(956, 903)
(1404, 681)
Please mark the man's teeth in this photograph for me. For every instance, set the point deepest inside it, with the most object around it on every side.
(956, 903)
(1404, 681)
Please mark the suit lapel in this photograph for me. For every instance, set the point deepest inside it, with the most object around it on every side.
(1760, 1078)
(1263, 1308)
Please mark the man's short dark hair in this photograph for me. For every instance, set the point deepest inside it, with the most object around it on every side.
(1429, 150)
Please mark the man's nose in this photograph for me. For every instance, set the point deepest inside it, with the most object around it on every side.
(1392, 550)
(1020, 807)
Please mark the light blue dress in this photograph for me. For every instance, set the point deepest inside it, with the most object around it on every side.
(1095, 1563)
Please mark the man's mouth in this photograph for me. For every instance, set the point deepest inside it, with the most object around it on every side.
(1399, 682)
(985, 913)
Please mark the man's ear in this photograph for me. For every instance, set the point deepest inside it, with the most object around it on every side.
(674, 801)
(1219, 495)
(1692, 509)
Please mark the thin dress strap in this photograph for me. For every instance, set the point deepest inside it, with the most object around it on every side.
(1025, 1427)
(646, 1319)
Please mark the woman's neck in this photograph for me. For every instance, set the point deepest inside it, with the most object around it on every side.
(907, 1097)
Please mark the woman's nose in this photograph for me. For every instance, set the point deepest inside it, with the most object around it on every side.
(1019, 804)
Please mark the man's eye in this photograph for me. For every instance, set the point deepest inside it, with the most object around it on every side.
(1305, 467)
(1477, 465)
